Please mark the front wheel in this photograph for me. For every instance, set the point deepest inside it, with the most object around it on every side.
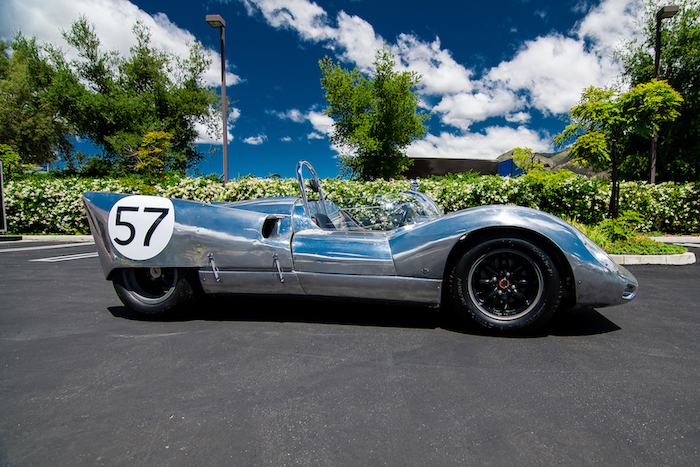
(154, 291)
(506, 284)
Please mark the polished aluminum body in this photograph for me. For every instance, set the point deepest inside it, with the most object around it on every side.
(297, 246)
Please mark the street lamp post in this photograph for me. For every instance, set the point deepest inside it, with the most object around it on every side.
(216, 21)
(665, 12)
(3, 222)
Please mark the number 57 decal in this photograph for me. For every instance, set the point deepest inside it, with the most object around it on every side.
(140, 227)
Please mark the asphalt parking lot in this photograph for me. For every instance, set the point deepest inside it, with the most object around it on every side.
(252, 381)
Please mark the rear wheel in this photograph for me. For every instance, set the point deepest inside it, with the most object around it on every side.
(154, 291)
(506, 284)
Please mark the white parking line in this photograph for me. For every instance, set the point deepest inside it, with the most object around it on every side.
(45, 247)
(56, 259)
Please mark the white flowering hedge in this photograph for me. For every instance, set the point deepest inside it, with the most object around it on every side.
(53, 206)
(43, 205)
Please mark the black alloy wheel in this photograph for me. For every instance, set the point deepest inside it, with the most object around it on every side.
(154, 290)
(506, 284)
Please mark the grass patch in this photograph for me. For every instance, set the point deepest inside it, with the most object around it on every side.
(619, 238)
(643, 246)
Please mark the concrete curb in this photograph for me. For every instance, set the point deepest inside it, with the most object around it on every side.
(56, 238)
(676, 260)
(678, 239)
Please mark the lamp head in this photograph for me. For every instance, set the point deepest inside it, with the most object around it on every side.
(216, 21)
(667, 12)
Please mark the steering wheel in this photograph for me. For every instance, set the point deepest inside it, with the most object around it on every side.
(406, 211)
(314, 184)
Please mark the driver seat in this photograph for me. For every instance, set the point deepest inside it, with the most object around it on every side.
(324, 221)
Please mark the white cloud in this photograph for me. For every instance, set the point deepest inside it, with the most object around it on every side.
(113, 21)
(463, 109)
(207, 137)
(488, 145)
(294, 115)
(552, 71)
(519, 117)
(357, 40)
(322, 123)
(302, 16)
(255, 140)
(353, 39)
(440, 73)
(542, 14)
(286, 139)
(609, 24)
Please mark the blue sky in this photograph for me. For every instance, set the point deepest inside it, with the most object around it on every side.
(496, 74)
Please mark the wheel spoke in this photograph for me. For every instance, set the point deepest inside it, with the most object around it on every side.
(505, 283)
(521, 297)
(165, 281)
(489, 296)
(145, 284)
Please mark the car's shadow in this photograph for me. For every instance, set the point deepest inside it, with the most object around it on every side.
(265, 309)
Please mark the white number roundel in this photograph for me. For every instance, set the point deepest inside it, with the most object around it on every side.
(140, 227)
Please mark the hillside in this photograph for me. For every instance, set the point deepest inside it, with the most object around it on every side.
(555, 161)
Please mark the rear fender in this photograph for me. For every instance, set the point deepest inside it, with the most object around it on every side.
(198, 233)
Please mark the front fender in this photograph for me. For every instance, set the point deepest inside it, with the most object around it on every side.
(422, 250)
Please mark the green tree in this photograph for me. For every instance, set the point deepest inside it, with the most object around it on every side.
(679, 141)
(11, 162)
(153, 154)
(604, 116)
(30, 121)
(114, 101)
(526, 159)
(376, 117)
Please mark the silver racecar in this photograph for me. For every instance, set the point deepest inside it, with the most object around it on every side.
(505, 267)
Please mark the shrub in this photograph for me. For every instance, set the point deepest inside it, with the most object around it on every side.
(41, 204)
(622, 229)
(667, 207)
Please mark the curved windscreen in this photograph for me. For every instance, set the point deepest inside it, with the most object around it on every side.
(386, 212)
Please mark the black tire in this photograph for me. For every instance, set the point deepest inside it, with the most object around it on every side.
(506, 284)
(154, 291)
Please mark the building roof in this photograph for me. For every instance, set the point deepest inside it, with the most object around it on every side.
(425, 167)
